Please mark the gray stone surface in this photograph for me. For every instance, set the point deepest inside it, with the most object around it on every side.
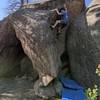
(27, 69)
(83, 46)
(10, 50)
(17, 89)
(39, 42)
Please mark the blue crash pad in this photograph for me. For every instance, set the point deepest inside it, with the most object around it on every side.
(71, 90)
(68, 94)
(68, 83)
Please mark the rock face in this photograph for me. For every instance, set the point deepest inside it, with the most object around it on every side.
(75, 7)
(47, 5)
(27, 69)
(10, 51)
(83, 46)
(44, 48)
(39, 42)
(17, 89)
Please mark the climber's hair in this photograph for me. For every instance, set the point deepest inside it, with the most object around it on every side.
(61, 9)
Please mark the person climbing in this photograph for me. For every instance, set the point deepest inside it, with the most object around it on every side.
(64, 18)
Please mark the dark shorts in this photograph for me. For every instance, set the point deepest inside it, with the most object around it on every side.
(63, 22)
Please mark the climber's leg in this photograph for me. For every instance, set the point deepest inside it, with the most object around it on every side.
(56, 23)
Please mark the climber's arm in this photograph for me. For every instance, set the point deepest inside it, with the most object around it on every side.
(57, 11)
(53, 10)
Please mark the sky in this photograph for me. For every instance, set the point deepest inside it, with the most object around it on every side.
(4, 5)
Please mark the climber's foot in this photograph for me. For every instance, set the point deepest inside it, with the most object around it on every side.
(52, 26)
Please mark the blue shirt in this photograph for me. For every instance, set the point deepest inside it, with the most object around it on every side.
(64, 16)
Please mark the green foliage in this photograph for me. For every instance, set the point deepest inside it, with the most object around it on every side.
(98, 70)
(92, 93)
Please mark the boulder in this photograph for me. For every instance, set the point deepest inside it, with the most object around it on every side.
(27, 70)
(83, 45)
(44, 47)
(39, 42)
(10, 50)
(75, 7)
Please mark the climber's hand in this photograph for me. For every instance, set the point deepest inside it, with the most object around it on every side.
(54, 10)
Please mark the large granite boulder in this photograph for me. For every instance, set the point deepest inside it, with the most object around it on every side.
(83, 44)
(27, 70)
(75, 7)
(39, 42)
(10, 50)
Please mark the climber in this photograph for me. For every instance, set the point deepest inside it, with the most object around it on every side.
(64, 18)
